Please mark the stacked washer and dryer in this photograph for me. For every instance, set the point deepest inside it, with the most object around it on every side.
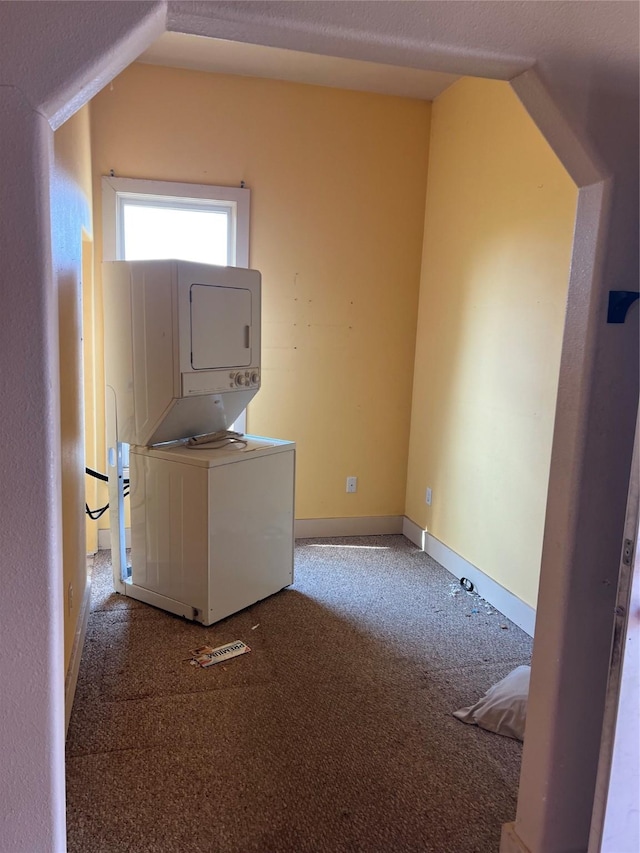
(211, 513)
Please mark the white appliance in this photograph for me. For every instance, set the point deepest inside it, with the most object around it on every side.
(212, 529)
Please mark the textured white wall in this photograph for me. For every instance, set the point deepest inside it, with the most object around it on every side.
(47, 57)
(32, 660)
(60, 54)
(53, 58)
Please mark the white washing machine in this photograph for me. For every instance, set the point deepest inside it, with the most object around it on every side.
(211, 530)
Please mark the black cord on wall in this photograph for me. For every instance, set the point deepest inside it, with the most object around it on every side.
(95, 514)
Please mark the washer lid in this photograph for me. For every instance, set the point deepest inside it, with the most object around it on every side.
(212, 457)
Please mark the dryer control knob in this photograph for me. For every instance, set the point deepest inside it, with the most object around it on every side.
(241, 379)
(255, 378)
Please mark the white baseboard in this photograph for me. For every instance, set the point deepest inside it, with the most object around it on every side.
(104, 539)
(71, 678)
(375, 525)
(509, 840)
(518, 611)
(414, 533)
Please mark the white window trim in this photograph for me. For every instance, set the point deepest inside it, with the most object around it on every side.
(116, 190)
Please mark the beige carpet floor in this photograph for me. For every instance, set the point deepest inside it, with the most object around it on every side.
(333, 734)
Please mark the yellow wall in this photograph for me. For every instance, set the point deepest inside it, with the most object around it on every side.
(96, 495)
(498, 232)
(338, 181)
(71, 202)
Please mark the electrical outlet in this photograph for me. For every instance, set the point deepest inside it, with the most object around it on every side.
(428, 497)
(352, 484)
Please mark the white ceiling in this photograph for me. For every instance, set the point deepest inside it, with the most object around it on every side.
(253, 60)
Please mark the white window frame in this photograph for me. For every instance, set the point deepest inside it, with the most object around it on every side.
(234, 200)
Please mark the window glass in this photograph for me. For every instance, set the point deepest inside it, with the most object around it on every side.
(169, 232)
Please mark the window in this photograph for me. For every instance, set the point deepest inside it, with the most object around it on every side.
(149, 220)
